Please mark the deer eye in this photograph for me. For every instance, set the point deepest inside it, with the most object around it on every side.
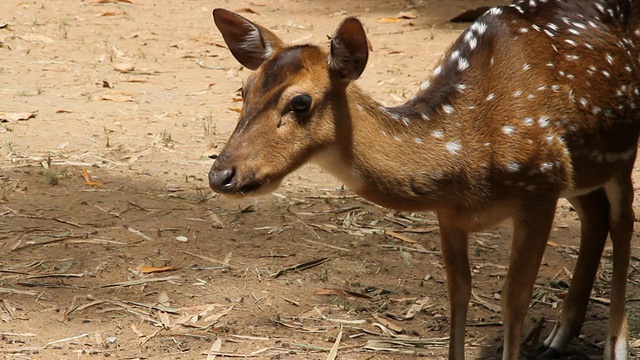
(300, 103)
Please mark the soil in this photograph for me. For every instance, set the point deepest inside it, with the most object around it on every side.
(113, 245)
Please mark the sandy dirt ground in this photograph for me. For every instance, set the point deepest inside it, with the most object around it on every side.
(111, 110)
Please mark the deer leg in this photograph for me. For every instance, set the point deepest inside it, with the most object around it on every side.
(456, 260)
(593, 211)
(531, 226)
(620, 194)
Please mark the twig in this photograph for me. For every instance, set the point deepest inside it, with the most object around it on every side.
(327, 245)
(301, 266)
(17, 334)
(138, 232)
(40, 276)
(66, 339)
(21, 292)
(141, 281)
(50, 218)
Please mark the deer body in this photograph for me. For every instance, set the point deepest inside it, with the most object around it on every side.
(533, 102)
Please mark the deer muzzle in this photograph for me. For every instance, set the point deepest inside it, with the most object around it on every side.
(227, 179)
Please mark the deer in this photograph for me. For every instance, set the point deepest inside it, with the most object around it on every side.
(534, 101)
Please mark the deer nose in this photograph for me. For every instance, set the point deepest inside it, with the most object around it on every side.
(221, 180)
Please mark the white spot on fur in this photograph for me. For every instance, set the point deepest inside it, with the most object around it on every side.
(584, 102)
(447, 108)
(513, 167)
(453, 147)
(438, 134)
(479, 27)
(508, 129)
(543, 121)
(609, 59)
(463, 64)
(546, 166)
(473, 42)
(571, 42)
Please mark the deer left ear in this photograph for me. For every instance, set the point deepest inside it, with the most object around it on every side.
(349, 50)
(249, 43)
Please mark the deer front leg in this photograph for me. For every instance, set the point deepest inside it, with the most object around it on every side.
(621, 218)
(532, 221)
(593, 211)
(456, 262)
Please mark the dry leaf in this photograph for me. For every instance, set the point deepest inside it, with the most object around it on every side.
(114, 1)
(215, 347)
(37, 38)
(124, 67)
(117, 96)
(238, 110)
(552, 243)
(400, 237)
(87, 179)
(388, 20)
(407, 14)
(108, 13)
(247, 10)
(155, 269)
(6, 116)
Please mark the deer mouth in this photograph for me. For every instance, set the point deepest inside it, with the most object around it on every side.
(229, 182)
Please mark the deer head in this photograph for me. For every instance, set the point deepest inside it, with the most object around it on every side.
(291, 102)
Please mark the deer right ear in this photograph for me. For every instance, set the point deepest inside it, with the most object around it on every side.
(349, 50)
(249, 43)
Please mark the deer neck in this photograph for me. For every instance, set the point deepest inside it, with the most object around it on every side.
(370, 153)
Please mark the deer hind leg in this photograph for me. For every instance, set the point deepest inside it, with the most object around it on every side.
(620, 194)
(456, 260)
(593, 211)
(531, 226)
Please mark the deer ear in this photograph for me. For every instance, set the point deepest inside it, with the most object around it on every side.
(249, 43)
(349, 50)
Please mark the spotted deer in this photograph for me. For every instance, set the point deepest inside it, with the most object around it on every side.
(533, 102)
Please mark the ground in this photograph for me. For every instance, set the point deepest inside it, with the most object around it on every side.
(113, 245)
